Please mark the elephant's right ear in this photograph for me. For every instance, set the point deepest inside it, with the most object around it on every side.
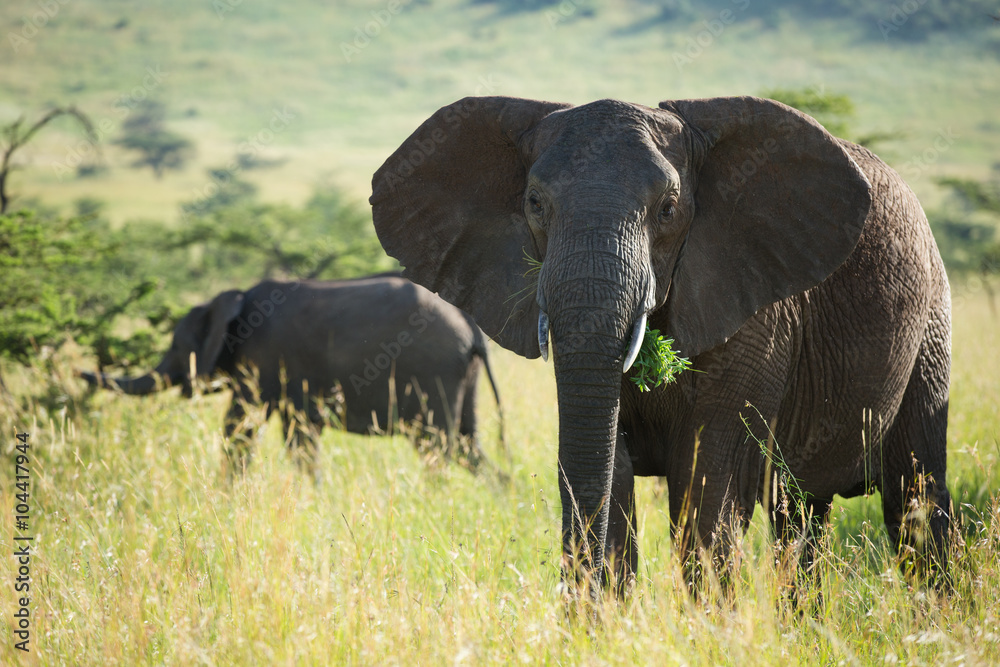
(448, 205)
(219, 313)
(779, 206)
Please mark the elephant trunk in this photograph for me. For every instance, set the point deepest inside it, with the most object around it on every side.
(140, 386)
(592, 322)
(588, 416)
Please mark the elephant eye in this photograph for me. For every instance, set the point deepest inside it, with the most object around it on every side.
(667, 212)
(535, 204)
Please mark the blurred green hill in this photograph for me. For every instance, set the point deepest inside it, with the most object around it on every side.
(326, 91)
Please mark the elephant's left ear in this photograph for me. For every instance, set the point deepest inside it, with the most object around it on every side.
(223, 309)
(448, 204)
(779, 206)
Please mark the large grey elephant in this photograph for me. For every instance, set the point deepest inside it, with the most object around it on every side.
(796, 270)
(304, 338)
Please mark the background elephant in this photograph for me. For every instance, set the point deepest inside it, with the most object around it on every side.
(796, 270)
(304, 338)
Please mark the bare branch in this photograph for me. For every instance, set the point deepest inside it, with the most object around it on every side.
(14, 139)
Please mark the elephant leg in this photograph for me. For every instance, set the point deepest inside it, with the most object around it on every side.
(302, 425)
(621, 549)
(916, 504)
(706, 523)
(712, 499)
(714, 469)
(798, 525)
(239, 434)
(451, 420)
(439, 418)
(468, 425)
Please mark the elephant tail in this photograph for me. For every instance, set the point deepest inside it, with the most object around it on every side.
(479, 350)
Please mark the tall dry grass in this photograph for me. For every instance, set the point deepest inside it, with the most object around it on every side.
(145, 554)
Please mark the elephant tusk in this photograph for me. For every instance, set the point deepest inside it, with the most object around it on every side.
(638, 332)
(543, 334)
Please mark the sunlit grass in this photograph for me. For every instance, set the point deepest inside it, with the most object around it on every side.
(145, 554)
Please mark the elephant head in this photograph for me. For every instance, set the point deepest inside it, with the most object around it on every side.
(202, 333)
(699, 213)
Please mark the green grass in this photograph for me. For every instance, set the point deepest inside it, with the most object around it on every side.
(146, 555)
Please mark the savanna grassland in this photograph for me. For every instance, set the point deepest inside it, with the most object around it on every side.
(145, 552)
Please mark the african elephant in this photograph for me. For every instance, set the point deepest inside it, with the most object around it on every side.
(306, 337)
(796, 270)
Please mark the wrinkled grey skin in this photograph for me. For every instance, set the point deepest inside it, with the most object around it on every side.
(796, 270)
(358, 333)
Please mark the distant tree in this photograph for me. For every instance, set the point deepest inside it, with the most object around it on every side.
(145, 132)
(976, 195)
(16, 135)
(835, 112)
(54, 285)
(330, 237)
(980, 196)
(225, 189)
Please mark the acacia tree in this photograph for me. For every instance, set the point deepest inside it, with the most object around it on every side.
(834, 111)
(145, 132)
(980, 197)
(984, 197)
(16, 135)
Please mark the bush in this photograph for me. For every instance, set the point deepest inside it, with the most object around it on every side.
(119, 292)
(55, 284)
(244, 241)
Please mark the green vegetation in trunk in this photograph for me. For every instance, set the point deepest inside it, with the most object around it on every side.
(657, 363)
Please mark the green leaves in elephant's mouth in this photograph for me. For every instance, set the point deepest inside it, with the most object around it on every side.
(657, 364)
